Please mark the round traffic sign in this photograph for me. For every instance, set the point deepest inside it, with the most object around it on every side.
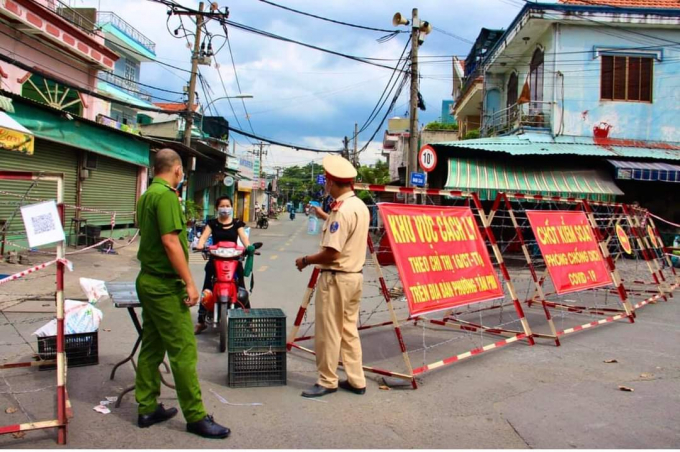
(228, 181)
(427, 158)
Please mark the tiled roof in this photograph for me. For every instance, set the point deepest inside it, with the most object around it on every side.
(173, 106)
(673, 4)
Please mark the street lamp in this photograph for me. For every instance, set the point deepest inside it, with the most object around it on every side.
(240, 96)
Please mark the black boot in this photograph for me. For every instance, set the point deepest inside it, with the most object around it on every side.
(208, 428)
(160, 415)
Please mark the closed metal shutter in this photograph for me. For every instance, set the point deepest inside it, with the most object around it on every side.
(112, 187)
(48, 157)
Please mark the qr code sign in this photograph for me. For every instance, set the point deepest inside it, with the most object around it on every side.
(43, 223)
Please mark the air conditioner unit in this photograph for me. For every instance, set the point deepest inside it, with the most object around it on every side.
(90, 161)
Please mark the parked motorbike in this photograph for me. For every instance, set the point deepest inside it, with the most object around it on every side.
(227, 286)
(292, 214)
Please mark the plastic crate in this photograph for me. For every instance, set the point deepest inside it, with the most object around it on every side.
(81, 349)
(256, 329)
(248, 369)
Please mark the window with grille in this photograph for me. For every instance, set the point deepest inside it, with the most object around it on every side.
(626, 78)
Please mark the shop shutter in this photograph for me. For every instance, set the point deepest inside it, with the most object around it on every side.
(111, 187)
(48, 157)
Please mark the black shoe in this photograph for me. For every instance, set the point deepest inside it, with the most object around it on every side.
(344, 384)
(318, 391)
(161, 414)
(208, 428)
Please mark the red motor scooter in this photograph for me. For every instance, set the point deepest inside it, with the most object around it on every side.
(227, 292)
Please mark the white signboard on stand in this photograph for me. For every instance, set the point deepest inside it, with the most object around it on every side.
(42, 223)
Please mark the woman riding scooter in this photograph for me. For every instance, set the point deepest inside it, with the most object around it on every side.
(224, 228)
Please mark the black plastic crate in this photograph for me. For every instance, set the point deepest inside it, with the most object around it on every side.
(248, 369)
(256, 329)
(81, 349)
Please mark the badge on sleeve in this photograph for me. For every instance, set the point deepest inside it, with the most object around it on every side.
(334, 226)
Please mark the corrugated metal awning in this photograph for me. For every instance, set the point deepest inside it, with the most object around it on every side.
(488, 177)
(647, 171)
(545, 145)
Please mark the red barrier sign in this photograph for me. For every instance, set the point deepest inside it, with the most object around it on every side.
(441, 256)
(570, 250)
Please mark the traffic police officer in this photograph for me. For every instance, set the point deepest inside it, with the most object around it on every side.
(166, 291)
(341, 259)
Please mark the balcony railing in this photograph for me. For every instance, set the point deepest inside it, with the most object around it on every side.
(129, 86)
(81, 21)
(518, 116)
(108, 17)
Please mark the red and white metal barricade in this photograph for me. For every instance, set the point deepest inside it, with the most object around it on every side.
(63, 405)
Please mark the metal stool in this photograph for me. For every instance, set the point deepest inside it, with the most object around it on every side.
(77, 229)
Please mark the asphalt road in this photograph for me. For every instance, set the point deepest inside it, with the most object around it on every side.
(516, 397)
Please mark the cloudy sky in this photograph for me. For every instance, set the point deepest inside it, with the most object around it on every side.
(303, 96)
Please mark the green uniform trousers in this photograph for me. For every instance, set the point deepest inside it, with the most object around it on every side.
(167, 327)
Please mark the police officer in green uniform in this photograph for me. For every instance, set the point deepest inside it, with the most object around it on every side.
(166, 291)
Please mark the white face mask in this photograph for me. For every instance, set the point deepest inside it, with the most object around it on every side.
(225, 211)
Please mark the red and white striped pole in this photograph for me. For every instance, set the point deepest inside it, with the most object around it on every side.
(532, 269)
(504, 269)
(613, 273)
(388, 300)
(306, 299)
(61, 357)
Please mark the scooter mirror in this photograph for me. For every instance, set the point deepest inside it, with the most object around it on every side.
(257, 245)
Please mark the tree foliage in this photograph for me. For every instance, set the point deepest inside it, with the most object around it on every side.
(298, 185)
(436, 125)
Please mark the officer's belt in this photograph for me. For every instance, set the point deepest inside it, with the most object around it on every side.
(161, 275)
(340, 271)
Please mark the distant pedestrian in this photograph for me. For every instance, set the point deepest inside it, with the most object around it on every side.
(338, 293)
(166, 291)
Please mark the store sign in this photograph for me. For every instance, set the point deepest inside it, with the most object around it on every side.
(570, 250)
(245, 167)
(233, 163)
(256, 173)
(245, 185)
(14, 136)
(440, 255)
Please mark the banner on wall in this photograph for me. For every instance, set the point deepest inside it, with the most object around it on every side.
(570, 250)
(441, 256)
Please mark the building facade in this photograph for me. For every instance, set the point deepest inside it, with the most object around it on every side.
(572, 94)
(50, 63)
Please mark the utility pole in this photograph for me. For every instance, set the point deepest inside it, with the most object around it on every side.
(345, 151)
(355, 156)
(413, 107)
(189, 120)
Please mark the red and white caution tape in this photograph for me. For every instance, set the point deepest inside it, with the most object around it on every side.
(28, 271)
(675, 225)
(84, 209)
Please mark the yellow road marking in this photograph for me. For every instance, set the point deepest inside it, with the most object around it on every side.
(274, 257)
(281, 249)
(263, 268)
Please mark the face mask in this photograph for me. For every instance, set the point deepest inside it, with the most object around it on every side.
(181, 183)
(225, 211)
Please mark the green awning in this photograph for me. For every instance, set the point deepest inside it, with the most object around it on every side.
(49, 125)
(488, 177)
(117, 93)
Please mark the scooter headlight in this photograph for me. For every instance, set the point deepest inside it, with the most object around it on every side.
(226, 252)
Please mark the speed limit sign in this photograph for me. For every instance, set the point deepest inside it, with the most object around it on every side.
(427, 158)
